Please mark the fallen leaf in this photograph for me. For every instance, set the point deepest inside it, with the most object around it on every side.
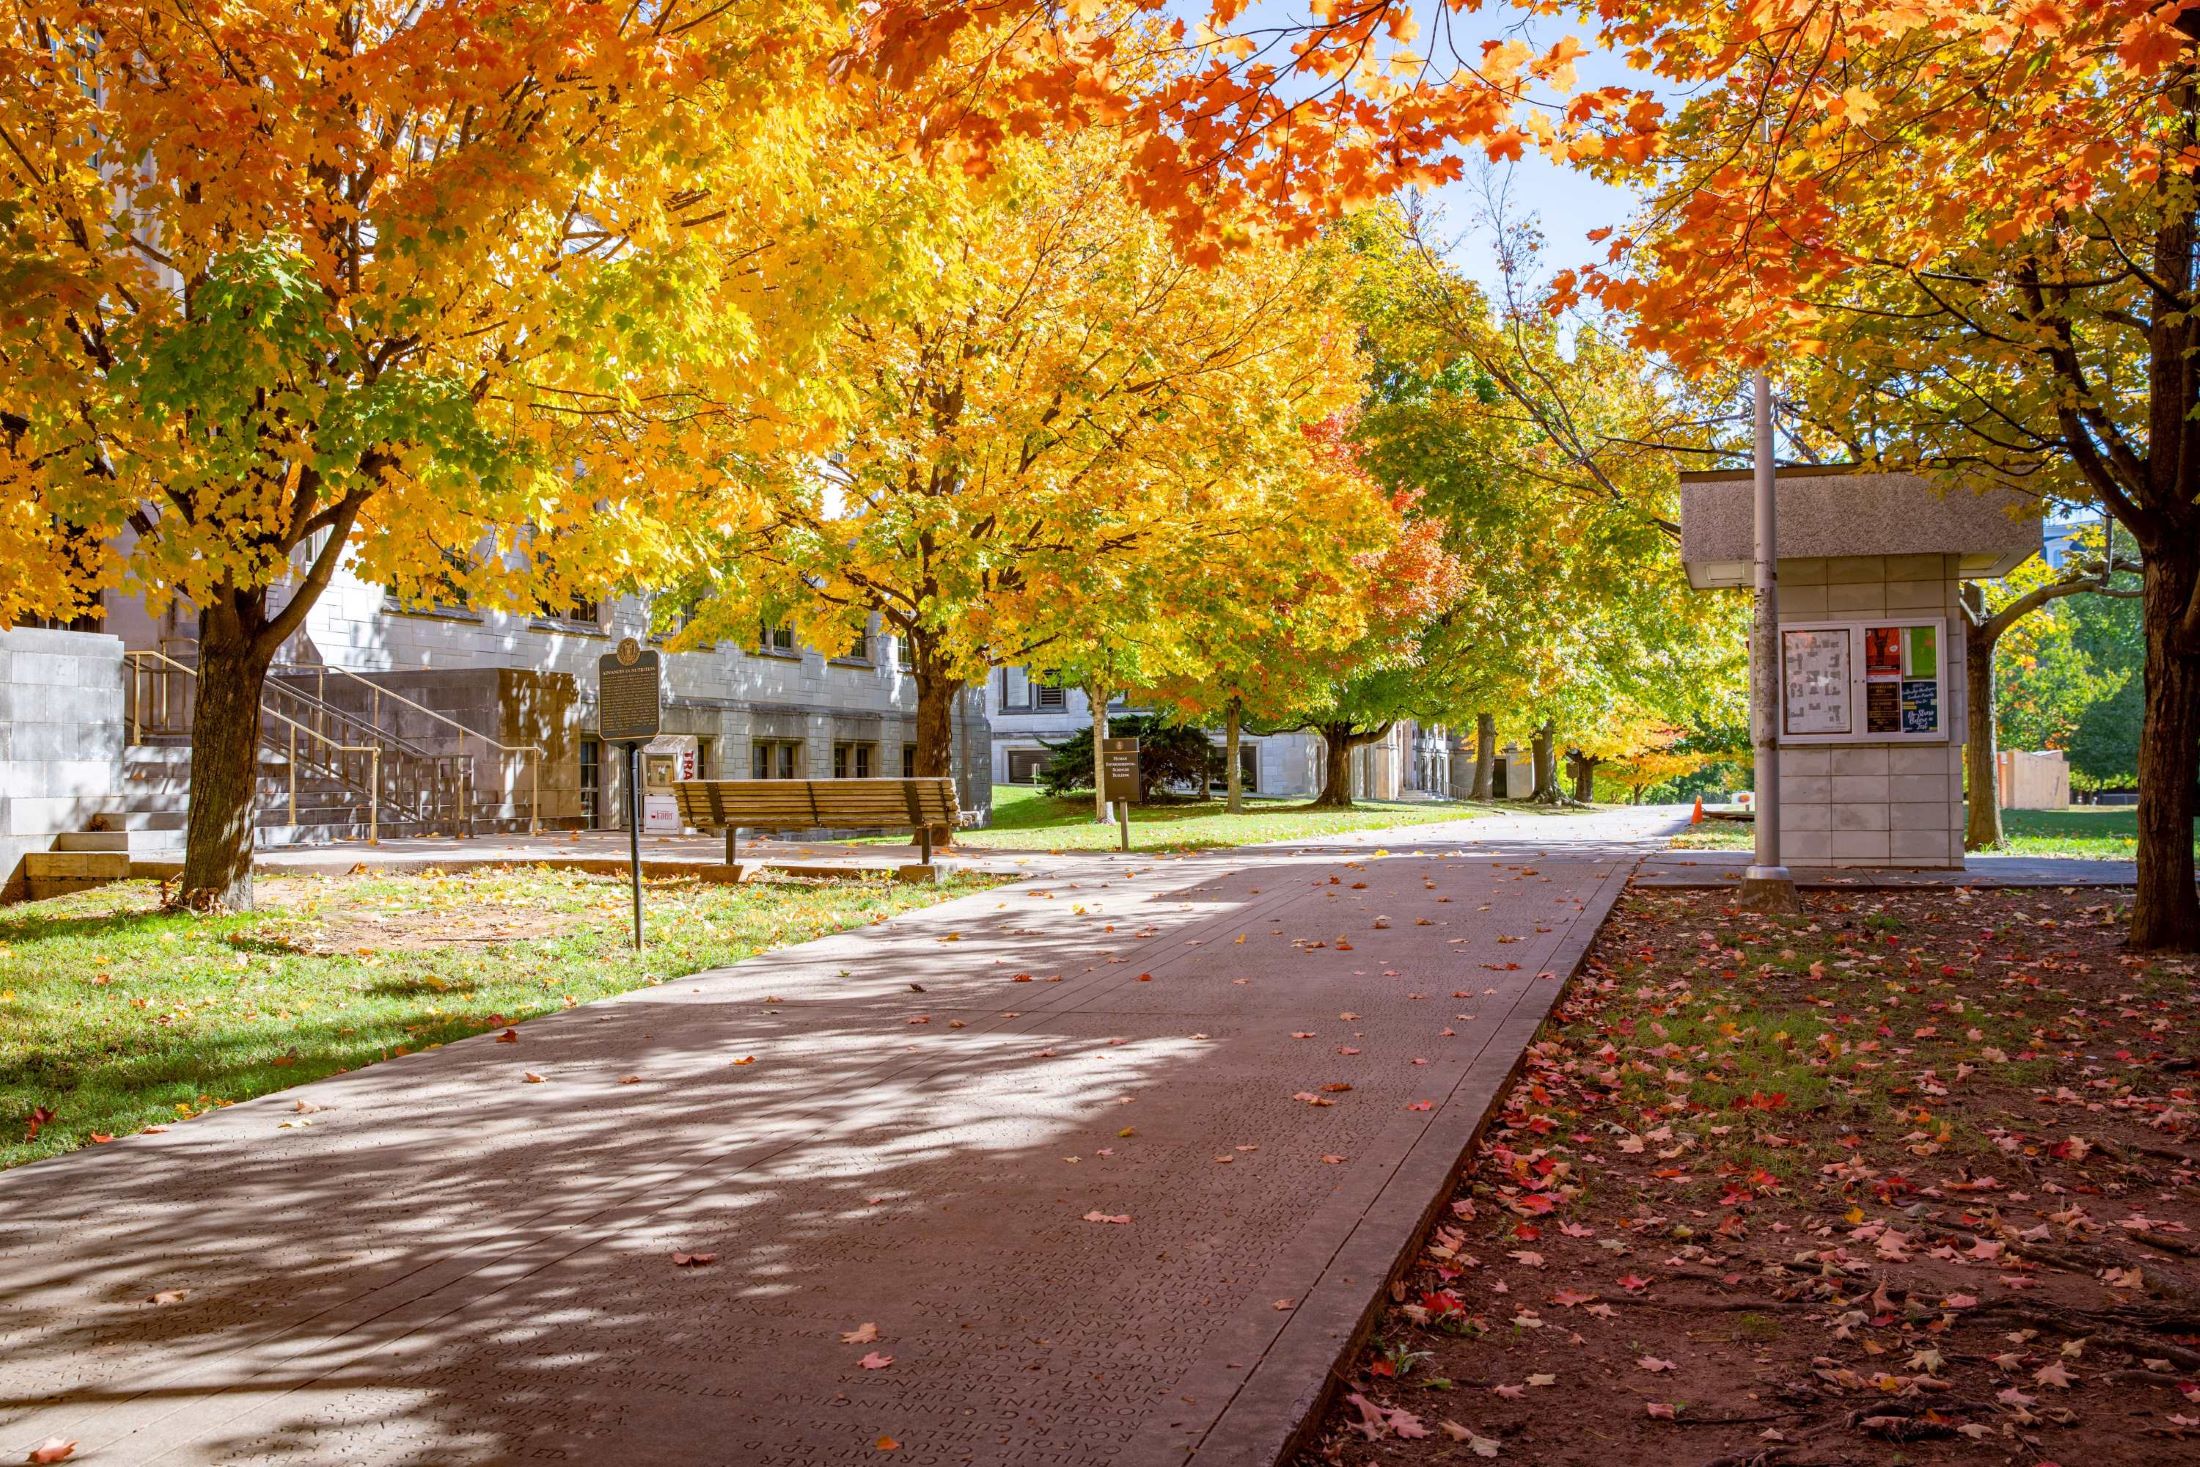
(1097, 1216)
(52, 1449)
(168, 1296)
(531, 1078)
(888, 1444)
(693, 1260)
(1333, 1159)
(875, 1361)
(1658, 1410)
(862, 1334)
(1654, 1365)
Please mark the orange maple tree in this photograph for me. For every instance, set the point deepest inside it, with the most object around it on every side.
(1968, 233)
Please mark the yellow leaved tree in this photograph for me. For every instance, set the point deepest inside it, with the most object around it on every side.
(1058, 439)
(403, 282)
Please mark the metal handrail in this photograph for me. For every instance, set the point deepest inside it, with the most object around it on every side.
(331, 711)
(373, 751)
(534, 767)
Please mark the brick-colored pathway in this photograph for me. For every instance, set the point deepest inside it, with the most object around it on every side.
(450, 1264)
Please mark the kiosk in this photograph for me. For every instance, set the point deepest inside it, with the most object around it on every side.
(1871, 677)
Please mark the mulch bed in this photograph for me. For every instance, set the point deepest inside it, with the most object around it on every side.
(1907, 1179)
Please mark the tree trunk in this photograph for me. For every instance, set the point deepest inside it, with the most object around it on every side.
(2166, 912)
(1233, 726)
(1585, 778)
(1982, 794)
(1485, 756)
(937, 689)
(1543, 752)
(1336, 767)
(225, 755)
(1096, 697)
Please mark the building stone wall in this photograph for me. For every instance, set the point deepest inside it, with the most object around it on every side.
(1864, 804)
(524, 680)
(61, 736)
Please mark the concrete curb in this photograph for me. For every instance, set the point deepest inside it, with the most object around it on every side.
(712, 871)
(1276, 1407)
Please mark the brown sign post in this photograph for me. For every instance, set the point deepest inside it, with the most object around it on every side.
(630, 709)
(1119, 779)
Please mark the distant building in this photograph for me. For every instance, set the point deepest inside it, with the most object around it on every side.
(1027, 717)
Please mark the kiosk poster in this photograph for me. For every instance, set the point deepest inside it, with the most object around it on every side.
(1923, 659)
(1882, 708)
(1920, 705)
(1816, 667)
(1882, 652)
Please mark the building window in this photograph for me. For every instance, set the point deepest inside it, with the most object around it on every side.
(905, 657)
(908, 761)
(857, 650)
(851, 761)
(774, 758)
(581, 611)
(776, 641)
(592, 784)
(1020, 694)
(1024, 765)
(90, 621)
(1248, 769)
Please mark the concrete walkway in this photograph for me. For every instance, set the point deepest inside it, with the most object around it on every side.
(1117, 1185)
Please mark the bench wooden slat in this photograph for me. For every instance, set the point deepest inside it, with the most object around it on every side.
(800, 804)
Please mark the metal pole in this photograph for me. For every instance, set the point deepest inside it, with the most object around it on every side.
(634, 832)
(294, 774)
(374, 795)
(534, 794)
(1767, 886)
(1123, 807)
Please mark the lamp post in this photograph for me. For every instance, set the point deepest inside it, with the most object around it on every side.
(1767, 885)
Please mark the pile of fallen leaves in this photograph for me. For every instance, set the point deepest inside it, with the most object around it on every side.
(1906, 1179)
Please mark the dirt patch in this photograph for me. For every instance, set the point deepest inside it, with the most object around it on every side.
(330, 916)
(1908, 1179)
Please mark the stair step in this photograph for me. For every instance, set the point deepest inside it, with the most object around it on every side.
(93, 840)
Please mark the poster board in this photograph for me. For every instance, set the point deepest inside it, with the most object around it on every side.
(1876, 680)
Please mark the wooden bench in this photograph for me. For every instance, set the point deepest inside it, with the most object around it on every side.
(735, 805)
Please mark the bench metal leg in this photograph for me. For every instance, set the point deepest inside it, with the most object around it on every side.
(733, 846)
(924, 842)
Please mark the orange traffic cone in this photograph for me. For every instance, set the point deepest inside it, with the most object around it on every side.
(1695, 817)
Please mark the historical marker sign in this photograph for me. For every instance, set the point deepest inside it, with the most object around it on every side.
(629, 695)
(1119, 769)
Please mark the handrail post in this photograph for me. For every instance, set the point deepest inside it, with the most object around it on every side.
(374, 794)
(293, 772)
(534, 794)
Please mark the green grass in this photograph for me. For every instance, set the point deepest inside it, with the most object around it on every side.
(2107, 833)
(1025, 818)
(2110, 832)
(115, 1015)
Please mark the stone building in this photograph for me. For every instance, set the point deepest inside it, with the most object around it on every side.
(1027, 717)
(497, 711)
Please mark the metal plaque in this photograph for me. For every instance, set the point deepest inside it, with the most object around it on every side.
(629, 695)
(1119, 769)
